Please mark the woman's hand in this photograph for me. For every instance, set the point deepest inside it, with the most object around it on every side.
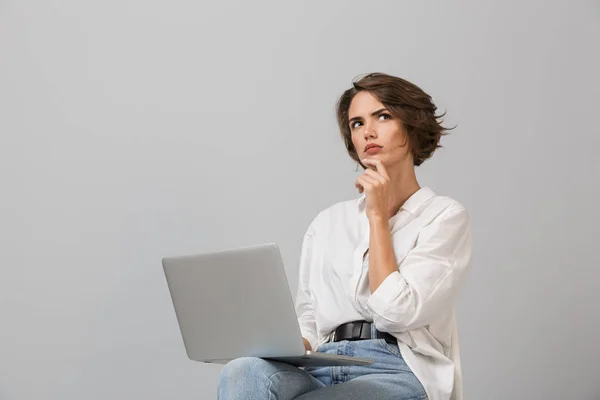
(375, 183)
(307, 345)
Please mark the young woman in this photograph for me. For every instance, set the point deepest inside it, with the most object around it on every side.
(379, 275)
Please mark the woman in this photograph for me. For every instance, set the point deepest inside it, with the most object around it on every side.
(379, 275)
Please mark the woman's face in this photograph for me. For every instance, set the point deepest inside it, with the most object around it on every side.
(372, 124)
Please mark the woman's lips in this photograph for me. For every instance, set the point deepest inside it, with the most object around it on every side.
(373, 150)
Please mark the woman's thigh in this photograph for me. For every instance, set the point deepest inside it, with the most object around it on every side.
(373, 387)
(389, 377)
(257, 379)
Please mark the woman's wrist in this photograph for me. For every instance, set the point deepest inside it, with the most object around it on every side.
(377, 221)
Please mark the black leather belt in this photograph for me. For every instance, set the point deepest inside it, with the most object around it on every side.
(359, 330)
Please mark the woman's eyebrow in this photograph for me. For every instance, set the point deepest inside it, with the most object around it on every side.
(373, 114)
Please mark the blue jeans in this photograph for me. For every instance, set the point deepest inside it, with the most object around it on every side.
(388, 378)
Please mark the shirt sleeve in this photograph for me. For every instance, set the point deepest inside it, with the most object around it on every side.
(304, 303)
(428, 278)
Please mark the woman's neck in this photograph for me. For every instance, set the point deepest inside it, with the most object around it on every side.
(403, 184)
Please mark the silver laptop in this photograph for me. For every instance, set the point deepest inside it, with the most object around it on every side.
(236, 303)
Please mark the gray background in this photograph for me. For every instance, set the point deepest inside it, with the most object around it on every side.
(135, 129)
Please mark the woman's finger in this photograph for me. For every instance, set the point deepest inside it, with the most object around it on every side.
(367, 182)
(358, 186)
(378, 166)
(376, 175)
(361, 184)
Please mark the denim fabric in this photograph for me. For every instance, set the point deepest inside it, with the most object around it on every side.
(389, 378)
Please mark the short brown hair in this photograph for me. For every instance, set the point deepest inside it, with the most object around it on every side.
(405, 101)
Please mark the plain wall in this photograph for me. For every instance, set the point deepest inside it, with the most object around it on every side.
(132, 130)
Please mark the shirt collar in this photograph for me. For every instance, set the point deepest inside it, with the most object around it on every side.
(412, 204)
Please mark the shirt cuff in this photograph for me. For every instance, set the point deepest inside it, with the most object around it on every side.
(388, 291)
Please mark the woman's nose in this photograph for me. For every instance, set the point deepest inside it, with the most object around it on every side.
(369, 131)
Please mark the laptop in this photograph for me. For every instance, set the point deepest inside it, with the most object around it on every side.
(237, 303)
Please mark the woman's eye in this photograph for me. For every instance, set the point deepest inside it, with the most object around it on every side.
(387, 116)
(353, 125)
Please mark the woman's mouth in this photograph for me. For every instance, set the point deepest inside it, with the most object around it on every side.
(373, 150)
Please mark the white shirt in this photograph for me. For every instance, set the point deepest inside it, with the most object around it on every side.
(432, 245)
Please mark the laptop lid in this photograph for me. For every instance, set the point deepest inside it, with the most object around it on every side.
(234, 303)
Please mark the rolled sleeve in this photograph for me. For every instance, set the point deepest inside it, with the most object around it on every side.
(428, 278)
(386, 293)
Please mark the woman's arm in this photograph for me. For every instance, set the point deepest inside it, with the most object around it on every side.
(382, 260)
(428, 279)
(412, 294)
